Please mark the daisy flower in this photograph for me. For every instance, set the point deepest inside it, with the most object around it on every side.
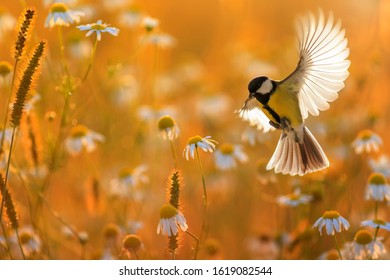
(332, 222)
(60, 15)
(381, 165)
(82, 137)
(364, 247)
(127, 180)
(294, 199)
(7, 22)
(367, 141)
(149, 23)
(330, 255)
(131, 17)
(376, 224)
(170, 221)
(131, 244)
(99, 27)
(377, 188)
(162, 40)
(5, 69)
(30, 241)
(206, 144)
(168, 128)
(227, 156)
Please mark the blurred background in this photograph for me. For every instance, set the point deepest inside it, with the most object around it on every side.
(196, 69)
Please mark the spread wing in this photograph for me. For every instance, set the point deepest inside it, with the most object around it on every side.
(252, 113)
(323, 64)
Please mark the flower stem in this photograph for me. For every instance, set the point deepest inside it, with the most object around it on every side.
(173, 153)
(337, 247)
(197, 244)
(6, 173)
(90, 61)
(204, 195)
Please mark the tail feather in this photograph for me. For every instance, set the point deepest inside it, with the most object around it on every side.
(294, 158)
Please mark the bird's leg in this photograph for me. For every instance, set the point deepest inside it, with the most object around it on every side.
(275, 125)
(285, 124)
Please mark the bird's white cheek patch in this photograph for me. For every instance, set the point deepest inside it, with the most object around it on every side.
(266, 87)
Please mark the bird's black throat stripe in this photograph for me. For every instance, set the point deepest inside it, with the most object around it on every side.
(272, 112)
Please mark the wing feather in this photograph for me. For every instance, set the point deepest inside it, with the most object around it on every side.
(252, 113)
(323, 65)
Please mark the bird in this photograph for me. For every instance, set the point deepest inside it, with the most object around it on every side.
(285, 104)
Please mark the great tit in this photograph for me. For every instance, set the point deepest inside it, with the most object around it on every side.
(284, 105)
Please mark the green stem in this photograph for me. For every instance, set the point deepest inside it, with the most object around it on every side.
(337, 247)
(6, 173)
(62, 52)
(197, 244)
(204, 195)
(90, 61)
(173, 153)
(376, 209)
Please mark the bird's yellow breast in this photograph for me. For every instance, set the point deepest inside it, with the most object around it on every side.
(286, 104)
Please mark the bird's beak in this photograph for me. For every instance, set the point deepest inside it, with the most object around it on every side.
(251, 95)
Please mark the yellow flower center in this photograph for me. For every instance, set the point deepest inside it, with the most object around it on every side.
(331, 215)
(379, 222)
(167, 211)
(363, 237)
(377, 179)
(226, 148)
(125, 172)
(195, 140)
(293, 196)
(365, 135)
(98, 27)
(165, 122)
(111, 231)
(132, 242)
(25, 237)
(5, 68)
(79, 131)
(58, 8)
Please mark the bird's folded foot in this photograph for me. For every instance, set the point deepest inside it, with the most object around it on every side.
(275, 125)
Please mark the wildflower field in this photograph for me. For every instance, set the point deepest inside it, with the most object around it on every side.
(121, 138)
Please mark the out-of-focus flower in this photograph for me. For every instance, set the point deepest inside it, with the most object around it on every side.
(5, 69)
(7, 22)
(30, 241)
(227, 156)
(160, 39)
(376, 224)
(61, 15)
(7, 134)
(134, 226)
(171, 220)
(147, 113)
(377, 188)
(252, 136)
(99, 27)
(262, 247)
(29, 106)
(149, 23)
(381, 165)
(364, 247)
(128, 179)
(332, 222)
(214, 106)
(206, 144)
(294, 199)
(131, 17)
(131, 244)
(79, 48)
(82, 137)
(367, 141)
(168, 128)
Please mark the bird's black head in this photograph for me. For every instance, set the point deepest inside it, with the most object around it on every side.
(262, 85)
(261, 88)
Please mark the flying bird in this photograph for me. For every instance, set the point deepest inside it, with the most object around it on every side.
(285, 104)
